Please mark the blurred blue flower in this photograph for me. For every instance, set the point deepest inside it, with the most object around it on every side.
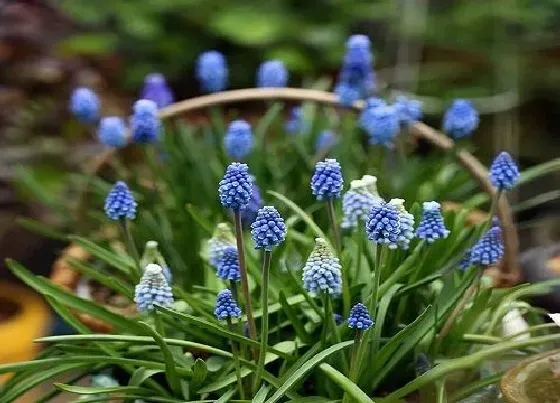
(356, 79)
(228, 266)
(235, 187)
(431, 226)
(359, 318)
(489, 249)
(84, 105)
(504, 172)
(120, 203)
(156, 89)
(408, 110)
(322, 271)
(212, 71)
(268, 230)
(226, 307)
(381, 124)
(296, 123)
(272, 74)
(145, 126)
(327, 181)
(152, 289)
(325, 141)
(112, 132)
(238, 140)
(382, 225)
(460, 119)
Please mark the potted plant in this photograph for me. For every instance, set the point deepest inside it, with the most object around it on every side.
(377, 300)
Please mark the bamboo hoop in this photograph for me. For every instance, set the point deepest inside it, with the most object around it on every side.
(507, 273)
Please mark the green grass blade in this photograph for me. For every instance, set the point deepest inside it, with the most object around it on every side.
(345, 384)
(305, 368)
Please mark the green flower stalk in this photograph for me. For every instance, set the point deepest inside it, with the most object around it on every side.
(268, 231)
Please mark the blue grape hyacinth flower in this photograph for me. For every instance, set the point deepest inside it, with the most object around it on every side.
(406, 223)
(322, 271)
(212, 71)
(235, 188)
(226, 307)
(359, 318)
(357, 202)
(460, 119)
(222, 238)
(238, 140)
(85, 105)
(383, 226)
(145, 126)
(156, 89)
(325, 141)
(152, 289)
(120, 203)
(296, 124)
(504, 172)
(381, 123)
(228, 266)
(489, 249)
(249, 212)
(327, 181)
(356, 79)
(268, 230)
(408, 110)
(272, 74)
(431, 226)
(112, 132)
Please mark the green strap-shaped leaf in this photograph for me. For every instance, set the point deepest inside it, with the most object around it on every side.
(346, 384)
(302, 214)
(132, 339)
(82, 390)
(293, 316)
(115, 260)
(63, 296)
(305, 368)
(200, 371)
(170, 368)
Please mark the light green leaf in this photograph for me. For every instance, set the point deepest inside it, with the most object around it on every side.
(141, 374)
(67, 298)
(305, 368)
(82, 390)
(123, 263)
(261, 394)
(302, 214)
(346, 384)
(199, 373)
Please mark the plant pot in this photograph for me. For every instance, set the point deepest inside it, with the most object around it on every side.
(23, 318)
(532, 380)
(64, 275)
(504, 275)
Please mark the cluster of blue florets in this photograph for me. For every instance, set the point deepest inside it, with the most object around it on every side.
(327, 181)
(268, 230)
(357, 202)
(359, 318)
(228, 265)
(322, 271)
(489, 249)
(235, 187)
(296, 123)
(226, 307)
(431, 226)
(325, 141)
(212, 71)
(112, 132)
(461, 119)
(272, 74)
(249, 212)
(408, 110)
(238, 140)
(382, 225)
(504, 172)
(145, 126)
(152, 289)
(156, 89)
(381, 123)
(357, 78)
(84, 105)
(120, 203)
